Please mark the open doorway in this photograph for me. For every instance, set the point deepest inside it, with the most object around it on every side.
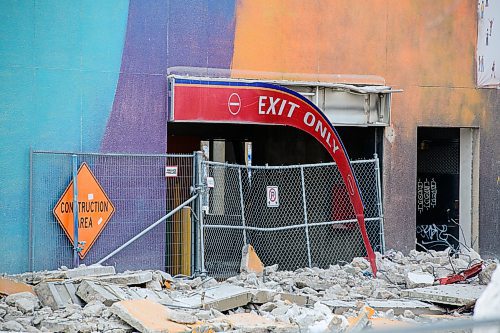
(446, 188)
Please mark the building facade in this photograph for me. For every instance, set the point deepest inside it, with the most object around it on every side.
(91, 77)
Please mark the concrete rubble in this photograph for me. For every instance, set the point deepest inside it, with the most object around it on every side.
(339, 298)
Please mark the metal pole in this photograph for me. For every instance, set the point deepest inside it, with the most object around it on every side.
(31, 245)
(379, 202)
(305, 216)
(76, 259)
(142, 233)
(194, 219)
(202, 197)
(242, 203)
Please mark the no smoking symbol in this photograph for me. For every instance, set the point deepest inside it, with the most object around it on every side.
(234, 104)
(272, 196)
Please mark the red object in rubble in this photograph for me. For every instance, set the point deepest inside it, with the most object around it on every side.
(463, 275)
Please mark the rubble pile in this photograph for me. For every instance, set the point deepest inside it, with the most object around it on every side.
(341, 298)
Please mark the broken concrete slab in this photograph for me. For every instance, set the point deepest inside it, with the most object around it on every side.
(261, 296)
(9, 286)
(86, 271)
(108, 293)
(23, 301)
(486, 273)
(250, 323)
(93, 291)
(146, 316)
(398, 305)
(250, 261)
(128, 279)
(57, 295)
(418, 280)
(222, 297)
(451, 294)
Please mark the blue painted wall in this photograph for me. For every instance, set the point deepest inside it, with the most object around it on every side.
(59, 67)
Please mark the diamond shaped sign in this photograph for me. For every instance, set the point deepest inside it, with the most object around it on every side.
(94, 209)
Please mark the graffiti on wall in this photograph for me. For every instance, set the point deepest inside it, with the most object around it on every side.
(426, 194)
(488, 43)
(435, 236)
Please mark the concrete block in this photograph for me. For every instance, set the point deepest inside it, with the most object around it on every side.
(128, 279)
(261, 296)
(12, 326)
(250, 261)
(250, 323)
(24, 301)
(222, 297)
(398, 305)
(313, 283)
(110, 293)
(91, 291)
(146, 316)
(418, 280)
(8, 287)
(60, 325)
(86, 271)
(451, 294)
(57, 295)
(485, 274)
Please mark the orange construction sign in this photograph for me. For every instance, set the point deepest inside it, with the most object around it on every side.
(94, 209)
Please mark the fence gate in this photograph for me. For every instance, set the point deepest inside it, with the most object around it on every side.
(294, 216)
(142, 190)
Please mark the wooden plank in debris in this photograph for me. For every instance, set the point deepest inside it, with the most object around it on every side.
(9, 287)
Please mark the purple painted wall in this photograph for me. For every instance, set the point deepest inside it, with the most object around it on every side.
(195, 33)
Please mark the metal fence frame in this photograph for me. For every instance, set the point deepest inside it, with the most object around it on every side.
(51, 172)
(62, 167)
(307, 223)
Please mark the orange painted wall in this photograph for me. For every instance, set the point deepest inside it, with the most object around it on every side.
(426, 48)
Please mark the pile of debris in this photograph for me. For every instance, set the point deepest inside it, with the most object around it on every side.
(421, 287)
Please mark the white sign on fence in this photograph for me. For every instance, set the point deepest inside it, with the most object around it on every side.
(272, 196)
(171, 171)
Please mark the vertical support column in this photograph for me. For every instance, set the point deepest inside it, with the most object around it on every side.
(465, 188)
(242, 203)
(304, 204)
(379, 202)
(76, 259)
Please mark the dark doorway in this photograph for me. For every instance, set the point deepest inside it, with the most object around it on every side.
(272, 145)
(437, 195)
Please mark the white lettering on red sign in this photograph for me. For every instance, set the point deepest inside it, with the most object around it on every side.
(270, 107)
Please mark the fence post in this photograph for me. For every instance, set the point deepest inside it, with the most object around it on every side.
(76, 259)
(242, 203)
(200, 187)
(304, 204)
(195, 219)
(379, 202)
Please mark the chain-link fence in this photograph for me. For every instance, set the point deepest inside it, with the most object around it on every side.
(294, 216)
(142, 189)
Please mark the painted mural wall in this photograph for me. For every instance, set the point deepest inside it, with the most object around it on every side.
(91, 77)
(59, 67)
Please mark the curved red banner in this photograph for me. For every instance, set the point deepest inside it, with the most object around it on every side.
(194, 100)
